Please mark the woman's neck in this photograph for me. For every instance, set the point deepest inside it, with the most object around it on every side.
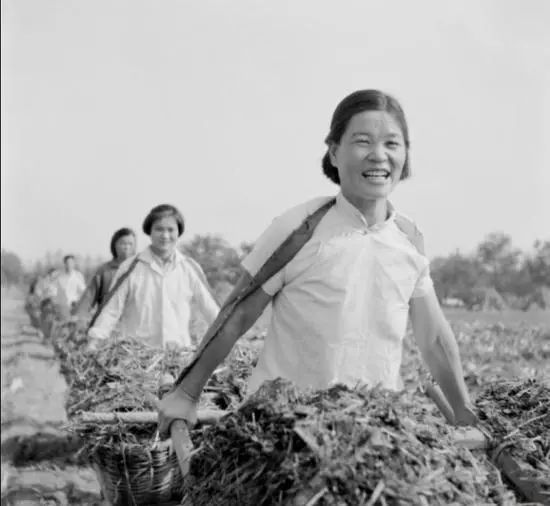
(375, 211)
(165, 256)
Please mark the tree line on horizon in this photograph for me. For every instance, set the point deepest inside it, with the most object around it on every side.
(495, 268)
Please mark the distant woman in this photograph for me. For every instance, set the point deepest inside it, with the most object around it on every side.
(153, 291)
(123, 246)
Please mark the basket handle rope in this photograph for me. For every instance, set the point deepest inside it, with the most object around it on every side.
(282, 256)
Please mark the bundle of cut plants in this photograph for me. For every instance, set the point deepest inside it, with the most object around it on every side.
(122, 379)
(123, 374)
(113, 394)
(340, 446)
(517, 413)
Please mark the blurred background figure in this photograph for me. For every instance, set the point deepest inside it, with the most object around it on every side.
(32, 303)
(123, 246)
(44, 295)
(153, 293)
(70, 286)
(46, 286)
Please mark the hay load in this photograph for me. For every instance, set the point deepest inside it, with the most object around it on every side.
(335, 447)
(122, 379)
(517, 414)
(121, 375)
(282, 446)
(125, 374)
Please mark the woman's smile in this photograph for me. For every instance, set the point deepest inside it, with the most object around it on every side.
(377, 176)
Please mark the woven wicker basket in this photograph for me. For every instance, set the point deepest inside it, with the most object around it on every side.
(136, 475)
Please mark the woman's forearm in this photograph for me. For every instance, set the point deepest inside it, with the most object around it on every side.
(243, 317)
(193, 383)
(443, 360)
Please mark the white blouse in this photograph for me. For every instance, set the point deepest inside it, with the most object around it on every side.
(340, 306)
(154, 302)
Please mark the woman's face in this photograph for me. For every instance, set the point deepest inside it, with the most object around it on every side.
(125, 247)
(370, 156)
(164, 235)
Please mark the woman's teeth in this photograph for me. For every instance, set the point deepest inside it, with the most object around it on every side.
(376, 175)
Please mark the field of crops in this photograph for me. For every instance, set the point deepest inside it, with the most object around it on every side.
(338, 447)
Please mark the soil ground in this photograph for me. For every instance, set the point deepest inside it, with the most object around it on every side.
(33, 393)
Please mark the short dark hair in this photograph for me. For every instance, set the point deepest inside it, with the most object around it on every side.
(357, 102)
(160, 212)
(121, 232)
(67, 257)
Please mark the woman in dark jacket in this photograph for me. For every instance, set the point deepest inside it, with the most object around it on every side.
(123, 246)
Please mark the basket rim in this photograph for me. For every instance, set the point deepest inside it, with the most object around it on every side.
(165, 444)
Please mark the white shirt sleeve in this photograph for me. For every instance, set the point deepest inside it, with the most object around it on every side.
(280, 228)
(202, 295)
(111, 313)
(424, 285)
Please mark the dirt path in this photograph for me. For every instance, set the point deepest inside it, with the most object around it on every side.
(33, 392)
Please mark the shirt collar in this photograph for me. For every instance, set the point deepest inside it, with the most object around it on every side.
(344, 205)
(149, 257)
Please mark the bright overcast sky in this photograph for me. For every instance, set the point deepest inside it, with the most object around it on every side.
(110, 107)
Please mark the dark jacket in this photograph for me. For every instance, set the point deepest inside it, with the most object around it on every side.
(97, 288)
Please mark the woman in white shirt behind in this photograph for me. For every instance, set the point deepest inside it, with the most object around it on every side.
(153, 302)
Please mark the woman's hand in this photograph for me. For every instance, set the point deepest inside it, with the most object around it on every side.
(176, 405)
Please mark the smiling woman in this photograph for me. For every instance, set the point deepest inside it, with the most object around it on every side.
(123, 246)
(341, 302)
(380, 123)
(152, 292)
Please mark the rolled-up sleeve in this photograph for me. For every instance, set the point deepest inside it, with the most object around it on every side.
(424, 285)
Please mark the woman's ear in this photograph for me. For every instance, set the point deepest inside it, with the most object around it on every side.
(332, 152)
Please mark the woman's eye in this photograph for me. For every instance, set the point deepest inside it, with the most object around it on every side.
(393, 144)
(362, 141)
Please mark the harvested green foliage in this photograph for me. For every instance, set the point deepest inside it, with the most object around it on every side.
(517, 414)
(121, 375)
(340, 446)
(124, 375)
(348, 446)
